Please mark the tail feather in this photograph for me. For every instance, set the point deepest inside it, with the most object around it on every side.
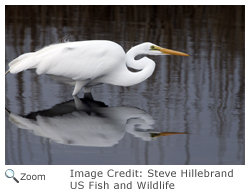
(21, 63)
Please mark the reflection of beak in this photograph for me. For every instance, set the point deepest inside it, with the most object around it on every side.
(171, 52)
(166, 134)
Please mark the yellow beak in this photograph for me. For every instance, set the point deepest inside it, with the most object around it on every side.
(171, 52)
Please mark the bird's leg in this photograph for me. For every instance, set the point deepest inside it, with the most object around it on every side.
(87, 93)
(78, 85)
(88, 89)
(88, 96)
(78, 103)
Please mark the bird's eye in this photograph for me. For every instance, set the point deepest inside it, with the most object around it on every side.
(152, 47)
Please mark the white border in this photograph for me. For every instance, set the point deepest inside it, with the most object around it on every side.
(58, 177)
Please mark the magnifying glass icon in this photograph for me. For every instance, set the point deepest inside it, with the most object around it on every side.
(10, 174)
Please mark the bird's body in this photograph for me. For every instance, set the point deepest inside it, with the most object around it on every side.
(89, 63)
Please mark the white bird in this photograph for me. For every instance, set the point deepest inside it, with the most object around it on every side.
(90, 63)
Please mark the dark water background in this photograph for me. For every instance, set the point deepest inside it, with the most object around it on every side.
(202, 95)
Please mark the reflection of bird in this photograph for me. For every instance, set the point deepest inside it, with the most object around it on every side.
(86, 122)
(89, 63)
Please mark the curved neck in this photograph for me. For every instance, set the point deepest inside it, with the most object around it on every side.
(135, 64)
(123, 77)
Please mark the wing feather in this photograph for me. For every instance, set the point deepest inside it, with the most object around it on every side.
(76, 60)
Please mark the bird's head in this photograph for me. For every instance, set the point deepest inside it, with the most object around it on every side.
(153, 49)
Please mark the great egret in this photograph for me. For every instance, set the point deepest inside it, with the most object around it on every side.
(89, 63)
